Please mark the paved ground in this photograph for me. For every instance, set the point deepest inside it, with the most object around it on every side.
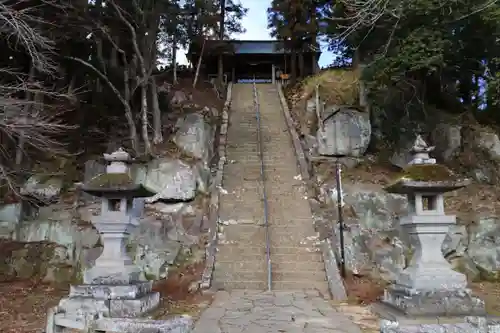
(272, 312)
(241, 258)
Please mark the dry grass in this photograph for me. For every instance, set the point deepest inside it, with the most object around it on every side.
(336, 87)
(490, 293)
(24, 305)
(175, 293)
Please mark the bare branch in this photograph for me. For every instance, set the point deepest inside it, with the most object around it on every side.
(102, 77)
(16, 24)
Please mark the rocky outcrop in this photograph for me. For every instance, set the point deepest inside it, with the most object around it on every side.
(171, 180)
(195, 136)
(372, 240)
(345, 132)
(67, 245)
(44, 189)
(178, 97)
(375, 246)
(474, 249)
(57, 241)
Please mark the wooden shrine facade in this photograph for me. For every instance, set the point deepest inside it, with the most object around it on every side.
(245, 59)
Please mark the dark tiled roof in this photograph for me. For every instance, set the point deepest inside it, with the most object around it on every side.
(247, 46)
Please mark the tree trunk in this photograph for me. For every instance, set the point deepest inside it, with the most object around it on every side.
(301, 65)
(157, 136)
(134, 140)
(220, 67)
(144, 118)
(293, 64)
(174, 58)
(315, 67)
(199, 64)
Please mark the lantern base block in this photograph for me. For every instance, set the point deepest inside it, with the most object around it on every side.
(433, 302)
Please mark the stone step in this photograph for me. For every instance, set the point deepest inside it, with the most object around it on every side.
(238, 249)
(284, 276)
(276, 243)
(276, 285)
(290, 219)
(260, 254)
(235, 285)
(321, 286)
(236, 265)
(253, 233)
(277, 265)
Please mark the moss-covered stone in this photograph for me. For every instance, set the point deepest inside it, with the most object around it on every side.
(427, 173)
(111, 181)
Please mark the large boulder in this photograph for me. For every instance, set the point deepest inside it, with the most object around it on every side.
(164, 230)
(474, 249)
(195, 136)
(178, 97)
(43, 188)
(373, 241)
(171, 180)
(447, 139)
(346, 132)
(57, 249)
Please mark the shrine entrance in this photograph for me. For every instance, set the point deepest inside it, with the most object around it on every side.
(244, 60)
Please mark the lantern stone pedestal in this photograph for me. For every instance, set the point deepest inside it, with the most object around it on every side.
(428, 291)
(113, 287)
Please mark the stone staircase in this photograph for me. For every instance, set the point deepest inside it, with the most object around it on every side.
(241, 257)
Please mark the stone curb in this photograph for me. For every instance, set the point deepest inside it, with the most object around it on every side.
(335, 282)
(211, 249)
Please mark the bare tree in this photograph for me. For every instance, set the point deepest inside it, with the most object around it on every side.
(137, 69)
(24, 120)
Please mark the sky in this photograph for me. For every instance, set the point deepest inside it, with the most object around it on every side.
(255, 24)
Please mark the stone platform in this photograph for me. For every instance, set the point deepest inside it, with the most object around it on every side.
(447, 302)
(110, 300)
(57, 322)
(395, 321)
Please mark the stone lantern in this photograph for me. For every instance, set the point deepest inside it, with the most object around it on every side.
(428, 287)
(113, 286)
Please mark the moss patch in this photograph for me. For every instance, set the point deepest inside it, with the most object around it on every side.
(427, 173)
(111, 181)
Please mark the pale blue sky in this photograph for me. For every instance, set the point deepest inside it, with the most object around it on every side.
(255, 23)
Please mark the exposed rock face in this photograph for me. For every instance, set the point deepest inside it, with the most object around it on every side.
(172, 180)
(52, 247)
(346, 132)
(373, 245)
(44, 189)
(448, 139)
(58, 249)
(178, 97)
(475, 249)
(57, 243)
(195, 136)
